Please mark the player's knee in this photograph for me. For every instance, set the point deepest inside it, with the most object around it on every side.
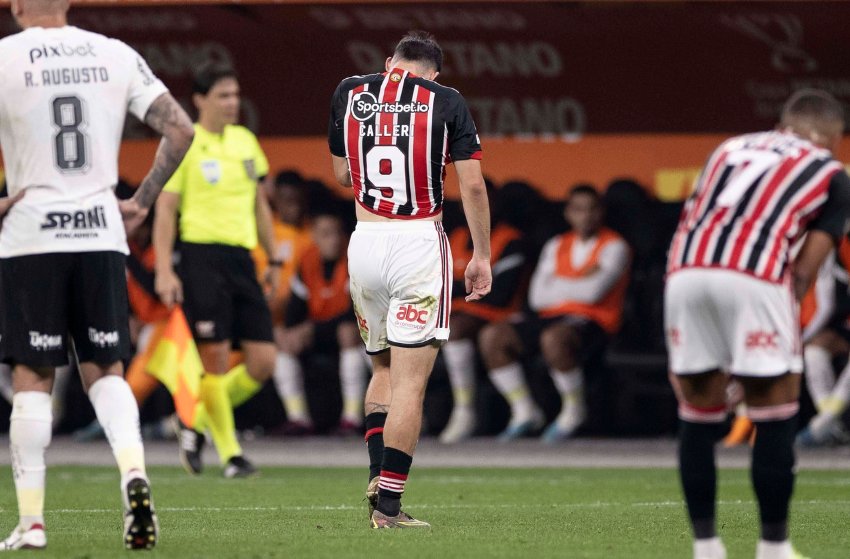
(558, 343)
(347, 335)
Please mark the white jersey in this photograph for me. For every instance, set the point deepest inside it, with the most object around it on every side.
(64, 95)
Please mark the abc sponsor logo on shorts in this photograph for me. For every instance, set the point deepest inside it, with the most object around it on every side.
(103, 339)
(44, 342)
(61, 50)
(364, 106)
(409, 316)
(761, 339)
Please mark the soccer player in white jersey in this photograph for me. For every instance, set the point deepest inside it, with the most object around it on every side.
(64, 95)
(730, 305)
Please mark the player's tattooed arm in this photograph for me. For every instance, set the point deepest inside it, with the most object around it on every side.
(375, 407)
(167, 117)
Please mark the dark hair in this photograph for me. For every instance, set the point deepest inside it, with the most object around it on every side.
(587, 189)
(815, 104)
(288, 177)
(420, 46)
(209, 74)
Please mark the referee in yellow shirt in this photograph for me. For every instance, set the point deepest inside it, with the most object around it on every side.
(222, 216)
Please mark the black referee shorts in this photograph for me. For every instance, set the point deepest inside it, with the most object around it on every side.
(222, 298)
(47, 297)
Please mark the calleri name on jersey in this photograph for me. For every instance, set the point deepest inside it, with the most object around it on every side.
(755, 198)
(398, 131)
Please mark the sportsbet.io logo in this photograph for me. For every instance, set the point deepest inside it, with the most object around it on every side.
(364, 106)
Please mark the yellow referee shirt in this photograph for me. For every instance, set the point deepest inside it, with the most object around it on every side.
(217, 184)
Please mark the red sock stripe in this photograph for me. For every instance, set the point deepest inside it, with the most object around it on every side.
(393, 475)
(694, 414)
(373, 431)
(391, 484)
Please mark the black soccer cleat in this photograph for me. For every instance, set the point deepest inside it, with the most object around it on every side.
(191, 445)
(141, 528)
(239, 467)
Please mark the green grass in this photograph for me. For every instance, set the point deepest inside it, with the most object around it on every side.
(299, 512)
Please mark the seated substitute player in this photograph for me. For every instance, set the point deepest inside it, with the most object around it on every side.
(508, 253)
(730, 304)
(319, 318)
(292, 238)
(829, 392)
(222, 217)
(576, 296)
(391, 135)
(63, 244)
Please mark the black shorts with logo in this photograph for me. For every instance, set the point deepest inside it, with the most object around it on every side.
(222, 298)
(47, 297)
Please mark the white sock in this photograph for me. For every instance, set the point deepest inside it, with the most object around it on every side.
(570, 386)
(353, 384)
(29, 436)
(289, 381)
(709, 548)
(118, 414)
(840, 394)
(820, 378)
(510, 382)
(831, 406)
(6, 382)
(774, 550)
(567, 382)
(459, 356)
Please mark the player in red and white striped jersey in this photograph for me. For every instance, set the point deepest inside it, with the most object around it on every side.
(391, 135)
(731, 302)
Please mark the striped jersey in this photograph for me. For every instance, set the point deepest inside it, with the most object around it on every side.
(398, 131)
(754, 199)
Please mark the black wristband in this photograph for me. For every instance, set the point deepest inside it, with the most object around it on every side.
(276, 263)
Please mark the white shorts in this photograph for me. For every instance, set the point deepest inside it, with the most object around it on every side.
(720, 319)
(401, 283)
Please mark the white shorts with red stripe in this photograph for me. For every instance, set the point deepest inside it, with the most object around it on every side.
(721, 319)
(401, 283)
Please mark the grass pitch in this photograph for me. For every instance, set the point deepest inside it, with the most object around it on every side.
(318, 512)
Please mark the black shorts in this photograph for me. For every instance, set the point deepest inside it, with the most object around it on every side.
(592, 338)
(222, 298)
(47, 297)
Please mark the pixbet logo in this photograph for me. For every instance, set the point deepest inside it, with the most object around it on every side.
(103, 339)
(60, 50)
(43, 342)
(761, 339)
(364, 106)
(409, 313)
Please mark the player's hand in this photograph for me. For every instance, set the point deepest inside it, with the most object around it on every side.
(271, 282)
(478, 278)
(169, 288)
(132, 213)
(7, 203)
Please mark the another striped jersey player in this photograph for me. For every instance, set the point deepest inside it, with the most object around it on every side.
(756, 197)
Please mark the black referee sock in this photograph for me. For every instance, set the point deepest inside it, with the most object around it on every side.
(394, 471)
(698, 473)
(375, 442)
(773, 475)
